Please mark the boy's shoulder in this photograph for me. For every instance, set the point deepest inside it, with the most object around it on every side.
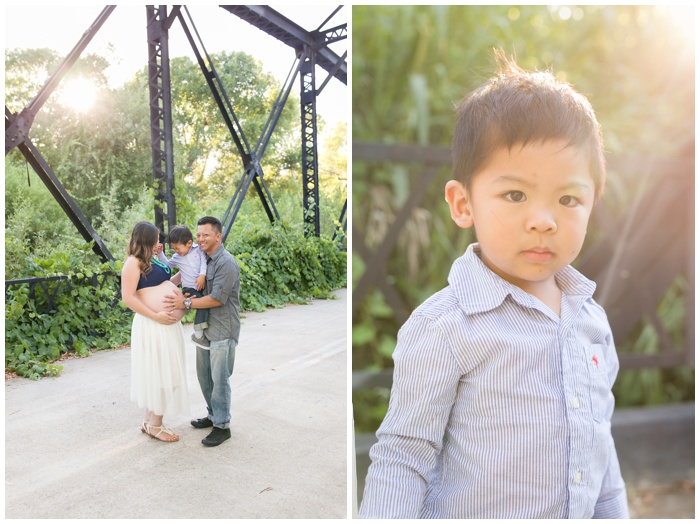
(441, 311)
(439, 305)
(442, 320)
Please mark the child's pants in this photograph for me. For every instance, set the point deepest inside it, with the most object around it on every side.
(201, 316)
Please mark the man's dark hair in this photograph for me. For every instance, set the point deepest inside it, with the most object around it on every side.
(215, 223)
(518, 108)
(180, 235)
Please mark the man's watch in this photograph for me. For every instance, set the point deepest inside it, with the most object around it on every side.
(187, 303)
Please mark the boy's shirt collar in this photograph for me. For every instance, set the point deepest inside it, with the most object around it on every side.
(478, 289)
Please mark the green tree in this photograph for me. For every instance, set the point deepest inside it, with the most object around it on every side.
(206, 154)
(88, 150)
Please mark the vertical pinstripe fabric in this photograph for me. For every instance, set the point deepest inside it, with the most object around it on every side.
(499, 408)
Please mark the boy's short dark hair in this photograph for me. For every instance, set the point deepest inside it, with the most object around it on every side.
(520, 107)
(215, 223)
(180, 235)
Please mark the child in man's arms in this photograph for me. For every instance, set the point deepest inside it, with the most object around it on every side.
(192, 264)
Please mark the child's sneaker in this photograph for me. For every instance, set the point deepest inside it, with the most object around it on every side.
(200, 341)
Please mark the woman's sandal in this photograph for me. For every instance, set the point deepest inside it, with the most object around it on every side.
(162, 429)
(144, 426)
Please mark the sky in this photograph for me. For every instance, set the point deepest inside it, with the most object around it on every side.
(122, 40)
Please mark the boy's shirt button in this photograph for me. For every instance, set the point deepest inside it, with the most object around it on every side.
(575, 403)
(577, 477)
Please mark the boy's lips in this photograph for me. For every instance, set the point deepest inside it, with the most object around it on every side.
(538, 254)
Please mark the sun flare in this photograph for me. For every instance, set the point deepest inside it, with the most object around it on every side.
(683, 16)
(79, 94)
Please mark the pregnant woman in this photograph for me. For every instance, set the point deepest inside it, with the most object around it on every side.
(158, 373)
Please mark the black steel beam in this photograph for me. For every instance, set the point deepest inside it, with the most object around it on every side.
(309, 145)
(334, 34)
(278, 106)
(341, 60)
(160, 101)
(252, 174)
(49, 178)
(330, 17)
(283, 29)
(219, 93)
(251, 159)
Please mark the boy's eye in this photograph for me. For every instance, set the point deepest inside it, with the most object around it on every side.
(514, 196)
(568, 201)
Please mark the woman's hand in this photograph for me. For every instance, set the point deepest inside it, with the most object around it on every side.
(165, 318)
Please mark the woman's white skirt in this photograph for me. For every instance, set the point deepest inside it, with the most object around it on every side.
(158, 367)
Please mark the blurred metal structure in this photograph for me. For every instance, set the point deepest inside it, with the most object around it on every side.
(644, 251)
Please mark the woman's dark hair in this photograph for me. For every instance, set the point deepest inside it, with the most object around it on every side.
(143, 237)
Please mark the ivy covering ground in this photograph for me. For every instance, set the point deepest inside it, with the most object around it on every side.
(278, 267)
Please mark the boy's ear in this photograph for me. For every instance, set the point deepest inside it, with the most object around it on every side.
(457, 198)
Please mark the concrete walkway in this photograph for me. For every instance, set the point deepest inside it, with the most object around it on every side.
(73, 448)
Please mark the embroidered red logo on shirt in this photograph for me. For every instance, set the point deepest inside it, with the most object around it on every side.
(595, 360)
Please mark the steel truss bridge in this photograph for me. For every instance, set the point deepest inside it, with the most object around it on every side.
(311, 52)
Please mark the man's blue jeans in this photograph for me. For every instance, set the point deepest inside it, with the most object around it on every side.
(214, 369)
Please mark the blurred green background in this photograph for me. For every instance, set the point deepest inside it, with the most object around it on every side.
(412, 64)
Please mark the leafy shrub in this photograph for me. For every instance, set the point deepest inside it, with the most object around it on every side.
(69, 314)
(653, 386)
(280, 266)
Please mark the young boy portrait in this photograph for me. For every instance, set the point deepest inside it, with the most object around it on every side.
(501, 399)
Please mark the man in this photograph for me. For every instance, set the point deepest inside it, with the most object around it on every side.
(215, 362)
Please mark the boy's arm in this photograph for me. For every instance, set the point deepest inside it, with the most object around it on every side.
(426, 377)
(164, 260)
(612, 500)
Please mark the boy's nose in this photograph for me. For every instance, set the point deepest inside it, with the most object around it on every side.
(542, 221)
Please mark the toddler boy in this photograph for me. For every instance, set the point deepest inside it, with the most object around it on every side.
(192, 263)
(501, 399)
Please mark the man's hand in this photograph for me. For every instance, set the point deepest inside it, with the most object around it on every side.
(201, 280)
(174, 301)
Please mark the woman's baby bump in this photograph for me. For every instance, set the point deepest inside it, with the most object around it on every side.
(153, 297)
